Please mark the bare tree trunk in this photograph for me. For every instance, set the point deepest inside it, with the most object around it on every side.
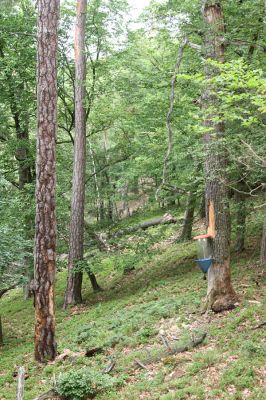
(220, 294)
(45, 234)
(21, 381)
(241, 214)
(22, 153)
(1, 332)
(74, 282)
(189, 217)
(263, 245)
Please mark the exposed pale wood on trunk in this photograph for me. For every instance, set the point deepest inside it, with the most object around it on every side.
(220, 293)
(45, 233)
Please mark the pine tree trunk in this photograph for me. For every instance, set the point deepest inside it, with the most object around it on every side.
(220, 293)
(74, 283)
(45, 234)
(189, 217)
(241, 214)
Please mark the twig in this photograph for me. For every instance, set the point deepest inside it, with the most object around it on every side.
(165, 342)
(110, 366)
(140, 364)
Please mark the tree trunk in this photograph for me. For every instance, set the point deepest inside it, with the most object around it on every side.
(45, 224)
(189, 217)
(241, 214)
(74, 283)
(263, 245)
(220, 294)
(1, 332)
(95, 286)
(22, 152)
(202, 210)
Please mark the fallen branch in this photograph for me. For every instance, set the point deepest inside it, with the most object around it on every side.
(140, 364)
(260, 325)
(50, 395)
(110, 366)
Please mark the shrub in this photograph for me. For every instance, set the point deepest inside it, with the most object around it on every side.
(83, 383)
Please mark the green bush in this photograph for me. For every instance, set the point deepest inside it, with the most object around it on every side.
(78, 385)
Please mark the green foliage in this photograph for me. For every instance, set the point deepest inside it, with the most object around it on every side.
(83, 383)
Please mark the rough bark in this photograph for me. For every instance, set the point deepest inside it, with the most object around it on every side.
(76, 250)
(220, 293)
(189, 217)
(45, 225)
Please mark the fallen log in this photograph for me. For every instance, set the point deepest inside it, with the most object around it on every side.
(50, 395)
(165, 219)
(170, 351)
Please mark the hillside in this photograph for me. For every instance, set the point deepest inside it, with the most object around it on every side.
(160, 301)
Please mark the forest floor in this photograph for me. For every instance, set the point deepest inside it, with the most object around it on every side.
(160, 301)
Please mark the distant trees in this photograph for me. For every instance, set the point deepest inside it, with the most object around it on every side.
(45, 234)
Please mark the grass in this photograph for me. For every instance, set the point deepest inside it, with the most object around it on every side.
(161, 296)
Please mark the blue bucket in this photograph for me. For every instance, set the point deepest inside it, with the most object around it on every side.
(205, 264)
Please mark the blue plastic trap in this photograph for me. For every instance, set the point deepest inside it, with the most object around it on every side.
(205, 264)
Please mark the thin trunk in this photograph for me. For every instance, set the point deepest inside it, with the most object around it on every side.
(95, 286)
(45, 224)
(1, 332)
(189, 217)
(220, 294)
(95, 177)
(263, 245)
(202, 211)
(241, 214)
(76, 250)
(22, 152)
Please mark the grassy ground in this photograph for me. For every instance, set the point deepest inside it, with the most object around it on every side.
(161, 297)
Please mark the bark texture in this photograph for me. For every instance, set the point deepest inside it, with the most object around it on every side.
(220, 294)
(74, 283)
(45, 234)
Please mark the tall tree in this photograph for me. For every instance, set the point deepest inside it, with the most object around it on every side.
(220, 294)
(45, 235)
(74, 283)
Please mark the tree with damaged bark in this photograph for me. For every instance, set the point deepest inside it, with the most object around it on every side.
(76, 241)
(45, 234)
(220, 295)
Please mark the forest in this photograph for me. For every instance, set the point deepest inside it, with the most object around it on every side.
(132, 199)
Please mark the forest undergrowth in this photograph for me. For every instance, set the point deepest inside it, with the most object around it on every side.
(131, 329)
